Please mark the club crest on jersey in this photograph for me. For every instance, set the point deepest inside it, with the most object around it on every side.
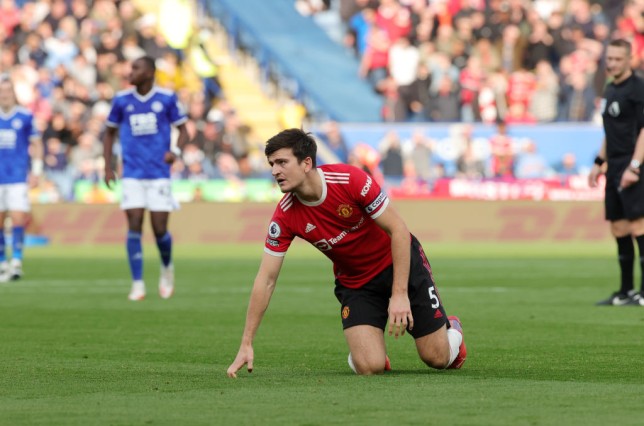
(157, 106)
(16, 123)
(129, 108)
(345, 211)
(613, 109)
(274, 230)
(345, 312)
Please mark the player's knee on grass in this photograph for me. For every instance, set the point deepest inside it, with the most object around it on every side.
(369, 364)
(433, 349)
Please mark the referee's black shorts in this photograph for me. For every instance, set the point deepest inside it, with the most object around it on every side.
(627, 203)
(369, 304)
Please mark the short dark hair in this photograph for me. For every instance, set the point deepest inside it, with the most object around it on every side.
(149, 62)
(302, 143)
(620, 42)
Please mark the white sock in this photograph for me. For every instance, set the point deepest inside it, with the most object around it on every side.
(455, 339)
(350, 361)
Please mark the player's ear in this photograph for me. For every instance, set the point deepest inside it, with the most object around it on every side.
(308, 164)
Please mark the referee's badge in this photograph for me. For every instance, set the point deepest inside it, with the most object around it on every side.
(613, 109)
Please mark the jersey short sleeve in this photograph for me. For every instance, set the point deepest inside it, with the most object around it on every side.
(115, 116)
(279, 236)
(368, 193)
(176, 111)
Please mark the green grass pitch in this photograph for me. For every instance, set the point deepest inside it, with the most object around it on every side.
(74, 351)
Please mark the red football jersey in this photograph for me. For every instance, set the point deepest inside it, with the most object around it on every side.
(340, 224)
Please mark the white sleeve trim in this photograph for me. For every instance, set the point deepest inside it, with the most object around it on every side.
(381, 209)
(180, 121)
(274, 253)
(110, 124)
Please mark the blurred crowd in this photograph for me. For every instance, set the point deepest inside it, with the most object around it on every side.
(451, 60)
(68, 58)
(418, 160)
(524, 61)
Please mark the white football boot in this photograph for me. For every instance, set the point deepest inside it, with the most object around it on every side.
(137, 292)
(5, 274)
(166, 281)
(16, 269)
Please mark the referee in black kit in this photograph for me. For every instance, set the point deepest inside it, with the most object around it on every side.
(622, 150)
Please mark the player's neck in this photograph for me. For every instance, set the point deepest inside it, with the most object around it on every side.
(7, 109)
(311, 189)
(622, 78)
(144, 89)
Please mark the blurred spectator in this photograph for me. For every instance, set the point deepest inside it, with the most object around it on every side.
(197, 166)
(375, 61)
(85, 158)
(360, 25)
(567, 167)
(392, 164)
(502, 160)
(334, 140)
(420, 156)
(56, 168)
(530, 164)
(469, 165)
(578, 99)
(471, 81)
(404, 59)
(543, 105)
(444, 103)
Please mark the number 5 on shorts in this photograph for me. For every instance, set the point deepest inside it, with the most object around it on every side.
(432, 296)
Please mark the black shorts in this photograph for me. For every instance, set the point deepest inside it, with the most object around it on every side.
(369, 304)
(622, 204)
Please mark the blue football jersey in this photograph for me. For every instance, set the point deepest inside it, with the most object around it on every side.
(16, 132)
(144, 124)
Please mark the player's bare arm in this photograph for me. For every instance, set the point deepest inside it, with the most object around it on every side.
(632, 173)
(36, 152)
(182, 140)
(400, 316)
(108, 142)
(260, 297)
(598, 166)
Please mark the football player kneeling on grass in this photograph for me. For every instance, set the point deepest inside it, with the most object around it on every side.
(381, 272)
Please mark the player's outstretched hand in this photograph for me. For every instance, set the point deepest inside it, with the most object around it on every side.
(400, 316)
(169, 157)
(110, 177)
(244, 357)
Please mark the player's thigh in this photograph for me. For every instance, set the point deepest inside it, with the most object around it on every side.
(367, 346)
(637, 226)
(433, 348)
(159, 196)
(159, 221)
(621, 228)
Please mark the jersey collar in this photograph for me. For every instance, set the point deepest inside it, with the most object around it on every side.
(324, 192)
(9, 114)
(147, 96)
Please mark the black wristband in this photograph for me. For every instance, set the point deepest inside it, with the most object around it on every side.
(599, 161)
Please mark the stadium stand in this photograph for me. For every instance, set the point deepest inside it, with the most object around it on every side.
(246, 68)
(300, 56)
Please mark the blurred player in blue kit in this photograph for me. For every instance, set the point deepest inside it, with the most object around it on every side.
(144, 116)
(17, 133)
